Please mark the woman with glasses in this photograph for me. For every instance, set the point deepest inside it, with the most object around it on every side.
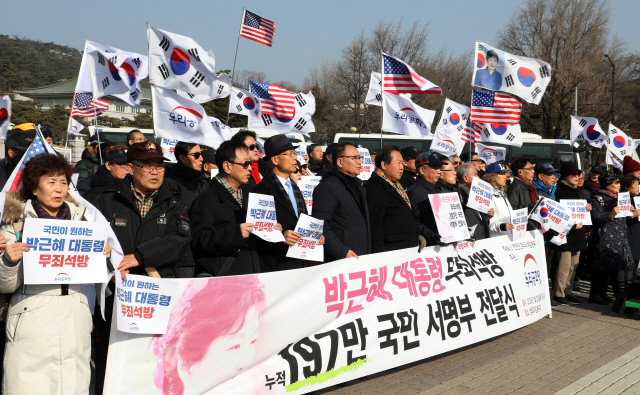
(497, 175)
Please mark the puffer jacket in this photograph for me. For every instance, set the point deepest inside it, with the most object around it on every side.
(48, 345)
(612, 249)
(502, 215)
(88, 165)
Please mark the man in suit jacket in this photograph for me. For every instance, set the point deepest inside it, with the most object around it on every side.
(395, 226)
(281, 157)
(221, 240)
(340, 200)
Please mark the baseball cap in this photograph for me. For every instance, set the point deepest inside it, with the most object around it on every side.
(409, 152)
(545, 168)
(496, 167)
(599, 169)
(116, 153)
(430, 158)
(19, 141)
(143, 151)
(209, 156)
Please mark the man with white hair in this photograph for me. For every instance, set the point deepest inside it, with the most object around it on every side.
(466, 173)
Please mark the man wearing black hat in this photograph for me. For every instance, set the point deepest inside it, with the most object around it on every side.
(593, 182)
(109, 176)
(409, 155)
(16, 146)
(208, 162)
(429, 165)
(90, 159)
(280, 154)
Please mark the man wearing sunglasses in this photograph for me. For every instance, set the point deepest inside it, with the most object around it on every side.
(187, 181)
(258, 167)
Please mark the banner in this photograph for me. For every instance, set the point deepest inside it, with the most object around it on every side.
(491, 154)
(519, 221)
(402, 116)
(480, 195)
(310, 230)
(624, 204)
(367, 165)
(168, 149)
(497, 70)
(261, 212)
(450, 220)
(306, 185)
(300, 331)
(143, 304)
(579, 212)
(64, 252)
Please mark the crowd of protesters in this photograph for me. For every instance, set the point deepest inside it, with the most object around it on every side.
(189, 220)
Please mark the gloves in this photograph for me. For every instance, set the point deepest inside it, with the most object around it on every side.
(422, 242)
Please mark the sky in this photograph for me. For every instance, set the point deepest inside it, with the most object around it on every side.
(306, 32)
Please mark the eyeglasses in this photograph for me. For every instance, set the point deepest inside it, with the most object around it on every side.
(196, 155)
(448, 170)
(354, 157)
(245, 165)
(475, 160)
(297, 171)
(455, 163)
(252, 147)
(149, 169)
(290, 153)
(528, 168)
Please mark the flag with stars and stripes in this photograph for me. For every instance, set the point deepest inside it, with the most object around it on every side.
(399, 77)
(14, 182)
(471, 133)
(83, 105)
(494, 107)
(256, 28)
(274, 100)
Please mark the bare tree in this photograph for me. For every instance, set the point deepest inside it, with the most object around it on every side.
(242, 78)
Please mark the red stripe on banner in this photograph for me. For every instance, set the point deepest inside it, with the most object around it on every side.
(16, 181)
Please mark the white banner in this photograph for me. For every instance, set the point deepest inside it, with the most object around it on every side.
(5, 116)
(519, 221)
(480, 195)
(624, 204)
(450, 220)
(310, 229)
(497, 70)
(168, 149)
(402, 116)
(306, 185)
(143, 304)
(261, 212)
(64, 252)
(300, 331)
(367, 165)
(491, 154)
(579, 212)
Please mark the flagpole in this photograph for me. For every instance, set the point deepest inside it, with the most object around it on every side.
(233, 73)
(381, 96)
(95, 111)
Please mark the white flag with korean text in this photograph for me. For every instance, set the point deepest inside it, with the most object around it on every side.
(402, 116)
(491, 154)
(221, 131)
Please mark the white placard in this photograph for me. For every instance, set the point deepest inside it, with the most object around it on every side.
(261, 212)
(552, 215)
(480, 195)
(579, 211)
(168, 149)
(447, 209)
(301, 151)
(519, 221)
(367, 164)
(143, 304)
(214, 172)
(624, 204)
(64, 252)
(307, 184)
(310, 230)
(636, 202)
(465, 248)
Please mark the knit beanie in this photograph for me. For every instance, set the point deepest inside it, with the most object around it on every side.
(629, 165)
(607, 179)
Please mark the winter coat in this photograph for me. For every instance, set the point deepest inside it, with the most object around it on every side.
(408, 178)
(474, 217)
(94, 185)
(48, 335)
(158, 240)
(576, 238)
(544, 190)
(87, 165)
(612, 249)
(215, 222)
(502, 215)
(419, 196)
(518, 195)
(345, 215)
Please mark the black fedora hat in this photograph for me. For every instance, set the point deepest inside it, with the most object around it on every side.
(276, 144)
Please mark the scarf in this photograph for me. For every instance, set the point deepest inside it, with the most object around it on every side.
(396, 186)
(532, 190)
(551, 190)
(63, 213)
(255, 173)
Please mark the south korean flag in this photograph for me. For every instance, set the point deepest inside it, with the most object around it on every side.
(502, 134)
(618, 143)
(453, 119)
(111, 74)
(244, 103)
(374, 95)
(178, 62)
(588, 130)
(223, 89)
(305, 107)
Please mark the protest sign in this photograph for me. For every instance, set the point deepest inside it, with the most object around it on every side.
(64, 252)
(261, 212)
(300, 331)
(301, 151)
(561, 238)
(480, 195)
(491, 154)
(310, 230)
(168, 149)
(214, 173)
(624, 204)
(143, 304)
(367, 164)
(579, 212)
(447, 210)
(306, 185)
(519, 221)
(552, 215)
(465, 248)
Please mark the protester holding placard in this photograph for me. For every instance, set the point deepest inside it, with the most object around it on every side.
(340, 200)
(429, 165)
(48, 326)
(629, 183)
(466, 172)
(497, 175)
(612, 250)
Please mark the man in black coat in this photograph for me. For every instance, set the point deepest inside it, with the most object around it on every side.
(395, 226)
(281, 157)
(521, 192)
(409, 155)
(340, 200)
(109, 176)
(222, 244)
(428, 165)
(466, 172)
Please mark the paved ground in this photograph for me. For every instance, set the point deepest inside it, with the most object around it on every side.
(541, 358)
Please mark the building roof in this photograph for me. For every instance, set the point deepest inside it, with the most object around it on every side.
(67, 88)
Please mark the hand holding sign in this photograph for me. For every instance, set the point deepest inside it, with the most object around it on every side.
(261, 212)
(624, 205)
(310, 239)
(480, 195)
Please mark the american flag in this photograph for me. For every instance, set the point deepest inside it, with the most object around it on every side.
(471, 133)
(15, 181)
(494, 107)
(274, 100)
(257, 29)
(399, 77)
(83, 106)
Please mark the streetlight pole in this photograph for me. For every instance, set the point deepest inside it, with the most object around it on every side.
(613, 76)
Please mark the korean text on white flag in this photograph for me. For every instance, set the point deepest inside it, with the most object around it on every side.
(64, 252)
(75, 127)
(618, 143)
(168, 149)
(5, 116)
(497, 70)
(221, 132)
(579, 212)
(310, 230)
(491, 154)
(261, 212)
(447, 142)
(480, 195)
(519, 221)
(624, 204)
(450, 220)
(588, 130)
(307, 184)
(143, 304)
(502, 134)
(367, 165)
(402, 116)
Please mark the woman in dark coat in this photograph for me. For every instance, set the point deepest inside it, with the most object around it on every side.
(612, 250)
(630, 183)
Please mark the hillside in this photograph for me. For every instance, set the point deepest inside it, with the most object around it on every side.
(26, 63)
